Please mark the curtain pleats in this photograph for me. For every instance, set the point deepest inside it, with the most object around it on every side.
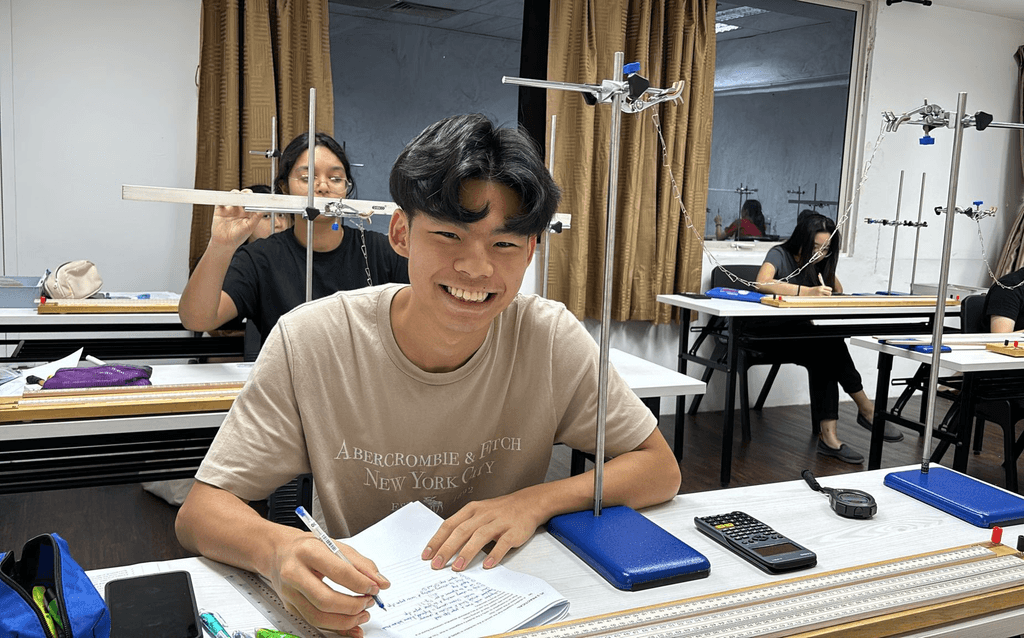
(655, 251)
(1012, 257)
(258, 60)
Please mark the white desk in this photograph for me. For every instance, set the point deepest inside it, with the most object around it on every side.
(737, 315)
(967, 362)
(902, 527)
(112, 450)
(105, 451)
(140, 336)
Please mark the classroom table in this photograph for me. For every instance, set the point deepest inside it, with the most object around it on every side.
(902, 527)
(154, 335)
(131, 449)
(829, 322)
(968, 362)
(46, 455)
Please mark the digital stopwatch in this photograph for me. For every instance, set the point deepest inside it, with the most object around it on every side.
(846, 503)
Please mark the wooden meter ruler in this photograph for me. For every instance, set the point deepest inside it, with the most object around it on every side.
(853, 301)
(105, 306)
(879, 599)
(88, 403)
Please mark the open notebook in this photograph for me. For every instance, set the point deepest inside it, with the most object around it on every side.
(424, 602)
(421, 602)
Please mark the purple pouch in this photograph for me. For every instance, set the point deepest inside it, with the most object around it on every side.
(98, 377)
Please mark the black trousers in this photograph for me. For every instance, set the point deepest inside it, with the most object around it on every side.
(827, 359)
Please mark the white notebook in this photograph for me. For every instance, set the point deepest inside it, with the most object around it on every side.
(426, 603)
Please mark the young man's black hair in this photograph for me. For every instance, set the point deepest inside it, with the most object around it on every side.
(428, 176)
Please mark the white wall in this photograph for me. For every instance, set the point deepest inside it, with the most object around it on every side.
(94, 95)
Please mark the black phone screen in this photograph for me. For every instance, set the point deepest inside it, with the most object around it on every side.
(155, 606)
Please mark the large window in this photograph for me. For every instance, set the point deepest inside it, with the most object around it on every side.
(785, 109)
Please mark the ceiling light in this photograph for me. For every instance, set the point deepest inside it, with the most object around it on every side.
(722, 28)
(725, 15)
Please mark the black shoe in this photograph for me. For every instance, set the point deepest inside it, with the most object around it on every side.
(892, 433)
(845, 453)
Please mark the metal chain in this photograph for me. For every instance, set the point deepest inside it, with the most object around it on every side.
(362, 247)
(843, 216)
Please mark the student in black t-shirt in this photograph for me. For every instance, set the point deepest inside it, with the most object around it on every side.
(263, 280)
(1004, 304)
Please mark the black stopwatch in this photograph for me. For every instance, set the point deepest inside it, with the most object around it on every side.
(846, 503)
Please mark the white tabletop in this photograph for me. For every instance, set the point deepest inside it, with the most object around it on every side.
(648, 379)
(957, 360)
(902, 527)
(730, 308)
(21, 318)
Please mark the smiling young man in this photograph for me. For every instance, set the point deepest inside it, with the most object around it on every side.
(450, 391)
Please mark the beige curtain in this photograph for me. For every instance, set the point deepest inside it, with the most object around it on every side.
(655, 251)
(1012, 258)
(258, 60)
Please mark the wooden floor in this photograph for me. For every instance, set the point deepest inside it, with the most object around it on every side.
(109, 526)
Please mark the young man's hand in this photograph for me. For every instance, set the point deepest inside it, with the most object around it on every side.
(297, 576)
(508, 520)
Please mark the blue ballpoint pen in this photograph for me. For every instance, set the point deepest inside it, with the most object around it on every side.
(314, 527)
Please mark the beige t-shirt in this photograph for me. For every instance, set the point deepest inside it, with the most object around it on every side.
(332, 394)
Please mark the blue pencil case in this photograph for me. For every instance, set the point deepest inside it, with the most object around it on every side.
(735, 295)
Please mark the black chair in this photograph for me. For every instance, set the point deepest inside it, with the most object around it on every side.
(749, 355)
(994, 397)
(282, 503)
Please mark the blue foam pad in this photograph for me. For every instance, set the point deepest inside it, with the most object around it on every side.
(968, 499)
(735, 295)
(627, 549)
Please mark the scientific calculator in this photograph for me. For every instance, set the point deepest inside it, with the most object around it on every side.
(756, 542)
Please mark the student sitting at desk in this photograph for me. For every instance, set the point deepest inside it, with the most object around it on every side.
(265, 279)
(450, 391)
(1004, 303)
(749, 224)
(786, 271)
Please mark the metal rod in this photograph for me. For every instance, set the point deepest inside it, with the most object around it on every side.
(547, 235)
(895, 233)
(917, 235)
(291, 204)
(310, 172)
(940, 301)
(606, 299)
(273, 168)
(549, 84)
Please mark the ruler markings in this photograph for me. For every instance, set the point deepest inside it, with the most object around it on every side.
(267, 602)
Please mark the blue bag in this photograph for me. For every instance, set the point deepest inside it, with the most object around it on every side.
(47, 577)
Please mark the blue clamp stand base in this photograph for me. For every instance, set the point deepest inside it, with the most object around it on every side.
(735, 295)
(627, 549)
(967, 498)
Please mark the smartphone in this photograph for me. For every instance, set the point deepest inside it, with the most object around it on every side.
(155, 606)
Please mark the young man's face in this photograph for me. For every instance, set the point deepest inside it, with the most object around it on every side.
(463, 276)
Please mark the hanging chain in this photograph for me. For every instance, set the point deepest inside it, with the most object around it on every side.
(362, 247)
(845, 215)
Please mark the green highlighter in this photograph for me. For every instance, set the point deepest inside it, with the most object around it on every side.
(273, 633)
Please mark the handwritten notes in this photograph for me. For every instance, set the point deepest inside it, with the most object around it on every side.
(428, 603)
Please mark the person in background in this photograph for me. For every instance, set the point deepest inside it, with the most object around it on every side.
(749, 224)
(268, 223)
(263, 280)
(1004, 304)
(450, 391)
(812, 250)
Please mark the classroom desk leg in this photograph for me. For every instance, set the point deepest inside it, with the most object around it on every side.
(684, 344)
(730, 400)
(881, 405)
(966, 417)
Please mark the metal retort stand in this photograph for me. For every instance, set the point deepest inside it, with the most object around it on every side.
(622, 545)
(962, 496)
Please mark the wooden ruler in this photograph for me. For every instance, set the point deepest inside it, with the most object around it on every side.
(853, 301)
(874, 600)
(105, 306)
(1013, 349)
(88, 403)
